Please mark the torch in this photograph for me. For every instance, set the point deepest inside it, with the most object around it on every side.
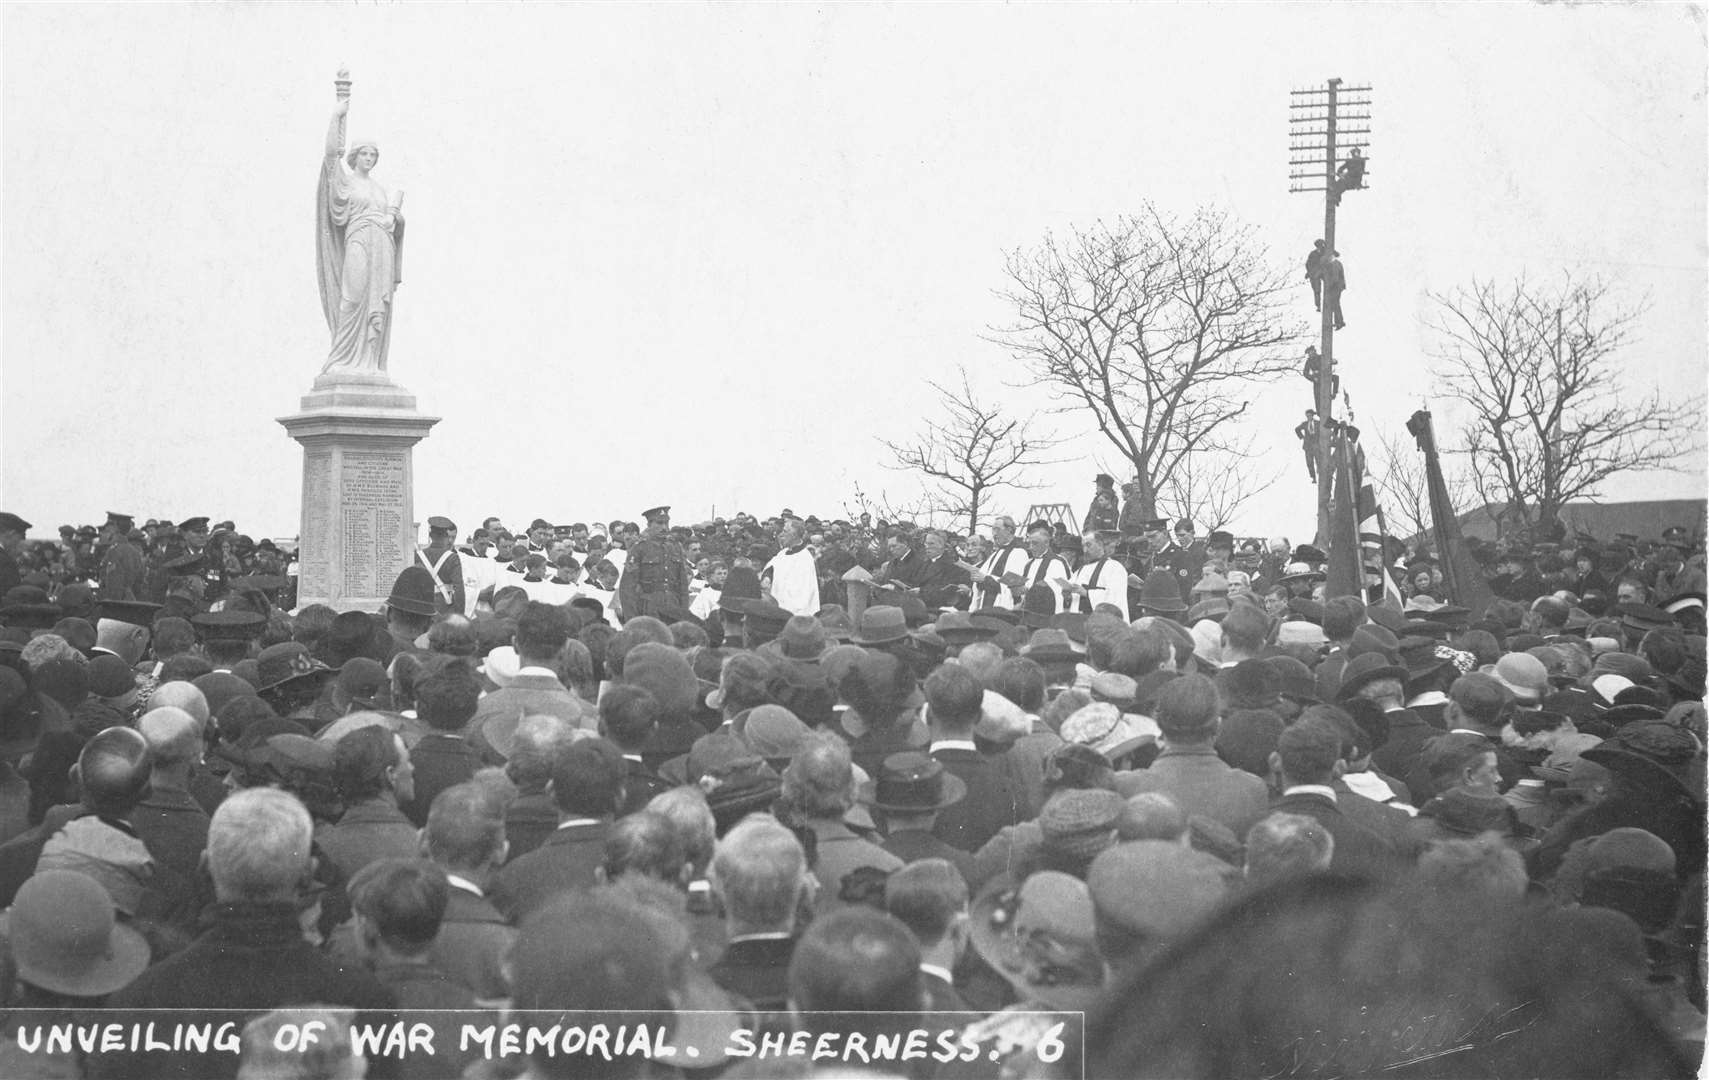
(341, 89)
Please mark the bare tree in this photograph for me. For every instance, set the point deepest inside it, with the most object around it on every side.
(1209, 488)
(969, 452)
(920, 510)
(1157, 328)
(1543, 372)
(1398, 474)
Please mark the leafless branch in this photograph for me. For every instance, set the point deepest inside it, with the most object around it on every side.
(1544, 371)
(1153, 328)
(968, 451)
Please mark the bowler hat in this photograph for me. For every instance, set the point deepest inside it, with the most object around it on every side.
(64, 937)
(913, 782)
(1161, 594)
(413, 591)
(740, 586)
(1365, 669)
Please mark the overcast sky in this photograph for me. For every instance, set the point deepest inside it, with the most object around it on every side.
(705, 255)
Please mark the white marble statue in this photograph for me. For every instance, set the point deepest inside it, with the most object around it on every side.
(359, 241)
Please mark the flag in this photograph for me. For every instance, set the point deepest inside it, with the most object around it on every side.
(1374, 537)
(1466, 583)
(1346, 569)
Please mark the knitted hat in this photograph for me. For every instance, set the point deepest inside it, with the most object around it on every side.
(1081, 823)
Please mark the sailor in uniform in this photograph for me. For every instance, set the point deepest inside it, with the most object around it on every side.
(442, 561)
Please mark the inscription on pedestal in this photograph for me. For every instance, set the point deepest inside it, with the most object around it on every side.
(317, 523)
(372, 496)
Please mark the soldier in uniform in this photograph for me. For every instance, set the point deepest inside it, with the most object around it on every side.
(123, 571)
(440, 558)
(1104, 515)
(655, 572)
(194, 533)
(211, 565)
(186, 585)
(12, 531)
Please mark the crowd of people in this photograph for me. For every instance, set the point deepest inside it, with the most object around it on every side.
(845, 778)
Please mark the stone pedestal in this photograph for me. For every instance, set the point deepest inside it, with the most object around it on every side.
(358, 529)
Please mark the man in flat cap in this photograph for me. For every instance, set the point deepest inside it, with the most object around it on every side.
(123, 569)
(440, 559)
(655, 571)
(1104, 513)
(12, 531)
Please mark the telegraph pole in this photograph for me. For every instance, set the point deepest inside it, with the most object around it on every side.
(1323, 124)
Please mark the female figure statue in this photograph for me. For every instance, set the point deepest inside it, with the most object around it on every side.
(360, 232)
